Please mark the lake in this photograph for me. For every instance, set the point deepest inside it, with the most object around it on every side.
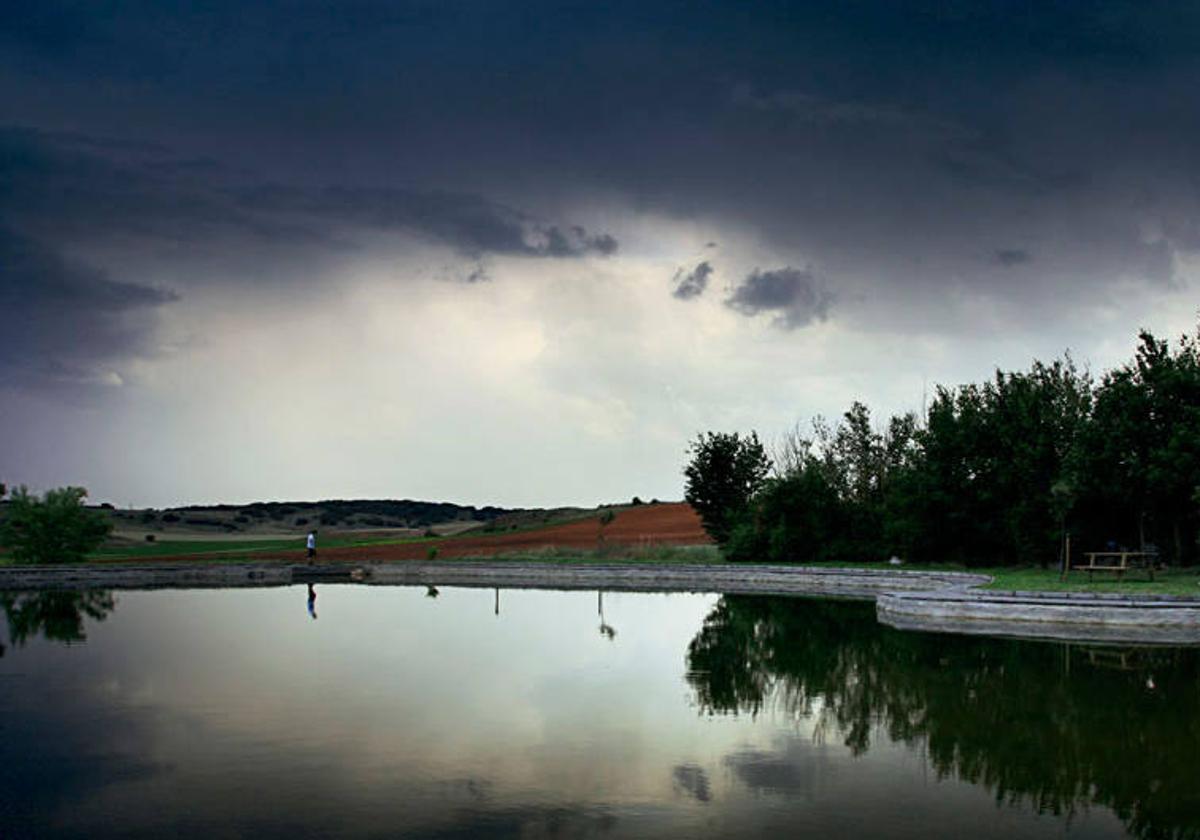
(402, 711)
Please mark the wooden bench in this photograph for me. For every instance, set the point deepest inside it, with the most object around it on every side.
(1118, 562)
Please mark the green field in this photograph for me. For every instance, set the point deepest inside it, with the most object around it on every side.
(224, 549)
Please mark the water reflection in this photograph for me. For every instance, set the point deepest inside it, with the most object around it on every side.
(57, 616)
(1054, 726)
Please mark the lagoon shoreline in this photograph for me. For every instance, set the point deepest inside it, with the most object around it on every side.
(932, 601)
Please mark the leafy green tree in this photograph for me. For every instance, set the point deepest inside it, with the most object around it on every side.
(54, 529)
(1140, 468)
(725, 472)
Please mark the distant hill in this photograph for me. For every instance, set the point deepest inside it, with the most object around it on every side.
(285, 517)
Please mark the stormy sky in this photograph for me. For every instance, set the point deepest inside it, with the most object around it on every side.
(521, 253)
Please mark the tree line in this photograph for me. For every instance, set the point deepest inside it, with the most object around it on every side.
(994, 473)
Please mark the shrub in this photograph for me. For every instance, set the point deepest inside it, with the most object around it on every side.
(56, 528)
(170, 517)
(150, 538)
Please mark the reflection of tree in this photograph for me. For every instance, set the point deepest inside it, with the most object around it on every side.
(57, 616)
(1056, 725)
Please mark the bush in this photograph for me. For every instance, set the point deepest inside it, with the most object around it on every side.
(150, 538)
(170, 517)
(56, 528)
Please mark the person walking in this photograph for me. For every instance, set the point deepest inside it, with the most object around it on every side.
(311, 544)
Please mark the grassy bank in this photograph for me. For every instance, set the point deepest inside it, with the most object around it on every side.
(225, 549)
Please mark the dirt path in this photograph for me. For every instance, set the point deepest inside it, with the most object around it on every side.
(645, 525)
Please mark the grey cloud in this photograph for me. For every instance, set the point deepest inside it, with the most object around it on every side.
(691, 284)
(64, 322)
(67, 320)
(893, 146)
(68, 187)
(795, 296)
(471, 224)
(1010, 257)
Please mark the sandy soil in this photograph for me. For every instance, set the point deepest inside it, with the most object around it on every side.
(645, 525)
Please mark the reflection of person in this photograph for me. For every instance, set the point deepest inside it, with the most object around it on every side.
(312, 601)
(311, 544)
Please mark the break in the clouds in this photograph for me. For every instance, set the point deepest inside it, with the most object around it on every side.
(691, 284)
(794, 296)
(176, 183)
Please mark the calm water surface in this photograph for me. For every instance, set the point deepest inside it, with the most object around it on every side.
(474, 713)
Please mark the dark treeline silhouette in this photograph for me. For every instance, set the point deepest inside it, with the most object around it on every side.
(1054, 726)
(994, 473)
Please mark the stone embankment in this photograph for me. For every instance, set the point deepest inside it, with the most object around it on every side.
(909, 600)
(1150, 619)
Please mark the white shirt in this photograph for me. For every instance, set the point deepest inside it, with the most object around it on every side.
(312, 541)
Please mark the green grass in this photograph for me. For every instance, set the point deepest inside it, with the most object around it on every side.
(1166, 582)
(228, 549)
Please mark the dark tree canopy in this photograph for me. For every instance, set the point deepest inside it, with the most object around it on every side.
(725, 472)
(994, 473)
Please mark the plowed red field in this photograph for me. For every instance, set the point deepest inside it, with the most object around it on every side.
(661, 524)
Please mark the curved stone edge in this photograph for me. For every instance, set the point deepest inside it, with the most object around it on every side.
(1113, 618)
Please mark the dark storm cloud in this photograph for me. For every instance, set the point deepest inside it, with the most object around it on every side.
(59, 317)
(66, 319)
(470, 224)
(691, 284)
(892, 144)
(794, 296)
(74, 187)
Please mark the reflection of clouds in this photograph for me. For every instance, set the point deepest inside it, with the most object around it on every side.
(693, 780)
(793, 768)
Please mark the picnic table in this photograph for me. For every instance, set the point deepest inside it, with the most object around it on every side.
(1118, 561)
